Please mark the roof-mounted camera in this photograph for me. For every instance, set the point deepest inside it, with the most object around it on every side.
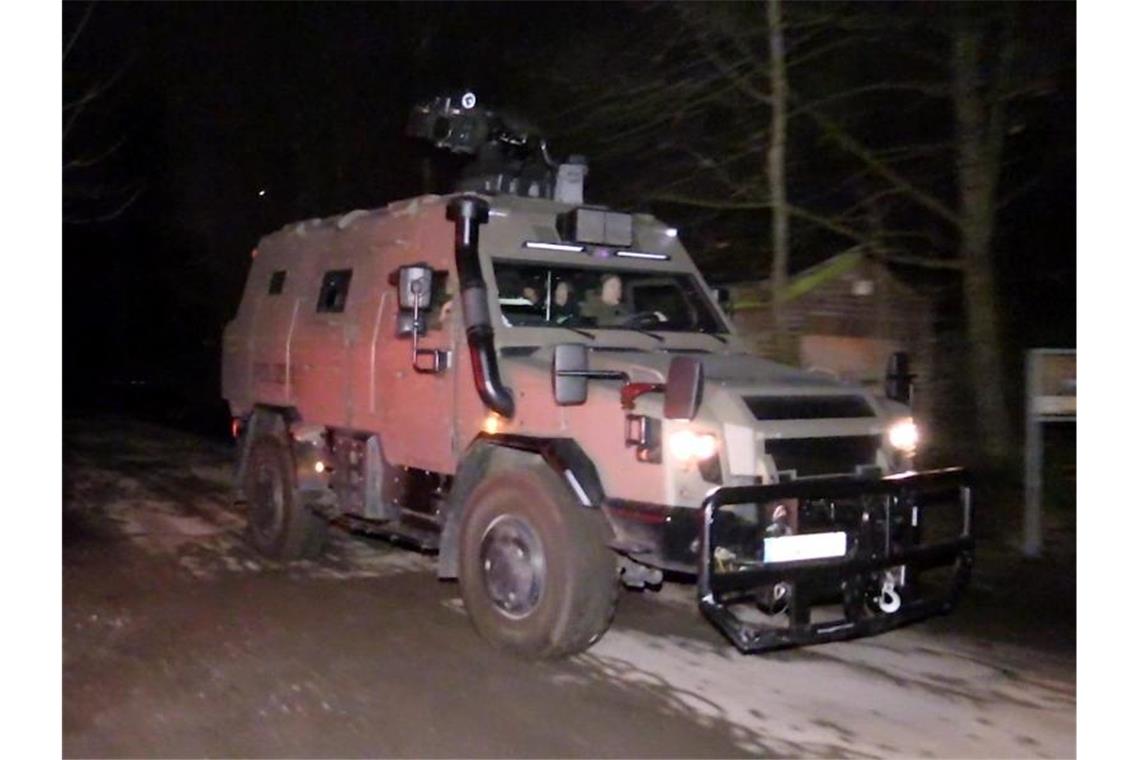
(452, 122)
(511, 155)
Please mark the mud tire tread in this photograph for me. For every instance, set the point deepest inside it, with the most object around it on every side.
(303, 533)
(582, 581)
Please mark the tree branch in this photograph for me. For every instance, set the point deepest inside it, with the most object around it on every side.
(78, 30)
(1021, 190)
(925, 88)
(117, 211)
(687, 200)
(729, 72)
(82, 163)
(849, 144)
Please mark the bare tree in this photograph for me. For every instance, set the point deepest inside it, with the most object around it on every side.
(777, 187)
(881, 126)
(980, 116)
(979, 88)
(92, 191)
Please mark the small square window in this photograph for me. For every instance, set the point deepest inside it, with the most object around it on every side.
(277, 282)
(334, 291)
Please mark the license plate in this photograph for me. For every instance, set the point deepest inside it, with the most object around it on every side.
(807, 546)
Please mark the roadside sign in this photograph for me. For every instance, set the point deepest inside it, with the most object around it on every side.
(1050, 396)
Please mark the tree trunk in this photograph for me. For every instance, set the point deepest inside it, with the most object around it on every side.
(979, 166)
(776, 181)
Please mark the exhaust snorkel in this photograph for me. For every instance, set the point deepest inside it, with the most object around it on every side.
(469, 212)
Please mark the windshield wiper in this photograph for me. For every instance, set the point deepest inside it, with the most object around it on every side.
(714, 336)
(655, 336)
(591, 336)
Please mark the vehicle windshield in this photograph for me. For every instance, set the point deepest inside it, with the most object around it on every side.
(536, 295)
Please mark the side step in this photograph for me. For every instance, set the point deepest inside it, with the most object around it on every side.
(423, 539)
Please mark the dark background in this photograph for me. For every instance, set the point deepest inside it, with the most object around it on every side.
(237, 118)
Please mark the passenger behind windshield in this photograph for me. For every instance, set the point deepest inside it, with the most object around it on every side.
(564, 309)
(536, 295)
(605, 308)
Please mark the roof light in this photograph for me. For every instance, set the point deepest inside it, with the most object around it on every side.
(554, 247)
(597, 226)
(640, 255)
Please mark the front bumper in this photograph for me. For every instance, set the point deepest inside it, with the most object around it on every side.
(887, 526)
(881, 542)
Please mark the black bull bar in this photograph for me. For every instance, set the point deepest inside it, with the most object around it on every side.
(878, 542)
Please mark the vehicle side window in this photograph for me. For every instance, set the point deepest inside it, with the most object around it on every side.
(334, 291)
(277, 282)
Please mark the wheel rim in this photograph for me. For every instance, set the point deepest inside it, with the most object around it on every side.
(513, 565)
(268, 501)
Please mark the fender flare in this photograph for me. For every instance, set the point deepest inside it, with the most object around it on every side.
(563, 455)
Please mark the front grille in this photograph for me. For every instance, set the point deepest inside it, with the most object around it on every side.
(823, 456)
(808, 407)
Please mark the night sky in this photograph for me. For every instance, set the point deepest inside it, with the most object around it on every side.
(233, 119)
(236, 119)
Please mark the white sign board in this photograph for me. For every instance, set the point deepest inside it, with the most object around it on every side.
(1050, 396)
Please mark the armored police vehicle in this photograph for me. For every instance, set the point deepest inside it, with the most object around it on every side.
(548, 395)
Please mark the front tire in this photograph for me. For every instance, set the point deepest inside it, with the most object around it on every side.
(280, 526)
(535, 573)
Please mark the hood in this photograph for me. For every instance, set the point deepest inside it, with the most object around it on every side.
(737, 371)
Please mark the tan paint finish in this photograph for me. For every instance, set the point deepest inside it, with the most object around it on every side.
(350, 371)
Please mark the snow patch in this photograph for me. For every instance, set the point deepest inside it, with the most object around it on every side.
(812, 701)
(220, 474)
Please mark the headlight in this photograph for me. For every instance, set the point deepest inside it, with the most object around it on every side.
(903, 435)
(687, 446)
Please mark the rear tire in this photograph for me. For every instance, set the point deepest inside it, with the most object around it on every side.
(535, 573)
(280, 526)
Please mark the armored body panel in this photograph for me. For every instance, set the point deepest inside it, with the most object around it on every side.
(409, 359)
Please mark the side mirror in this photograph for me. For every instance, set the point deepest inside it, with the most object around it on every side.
(413, 289)
(723, 299)
(684, 388)
(899, 381)
(414, 286)
(571, 368)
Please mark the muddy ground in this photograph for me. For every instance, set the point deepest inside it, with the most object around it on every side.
(180, 641)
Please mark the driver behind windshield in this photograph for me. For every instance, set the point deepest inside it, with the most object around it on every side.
(606, 309)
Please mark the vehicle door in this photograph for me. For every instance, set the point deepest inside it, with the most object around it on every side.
(415, 399)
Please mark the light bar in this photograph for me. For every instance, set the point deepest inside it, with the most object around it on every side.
(640, 255)
(554, 247)
(597, 226)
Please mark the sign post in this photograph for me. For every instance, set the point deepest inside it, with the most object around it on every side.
(1050, 396)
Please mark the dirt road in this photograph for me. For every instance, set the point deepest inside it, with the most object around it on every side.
(178, 640)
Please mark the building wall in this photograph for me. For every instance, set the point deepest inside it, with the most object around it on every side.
(848, 324)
